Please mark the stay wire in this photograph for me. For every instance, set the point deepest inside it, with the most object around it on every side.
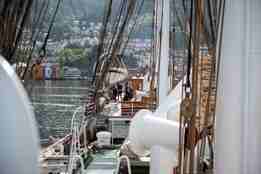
(42, 51)
(188, 82)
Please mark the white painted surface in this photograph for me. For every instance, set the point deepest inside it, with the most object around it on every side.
(161, 158)
(238, 128)
(154, 131)
(103, 138)
(18, 133)
(164, 56)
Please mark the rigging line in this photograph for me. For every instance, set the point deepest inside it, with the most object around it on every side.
(219, 45)
(212, 25)
(106, 19)
(156, 44)
(195, 103)
(126, 42)
(214, 16)
(38, 19)
(201, 86)
(100, 48)
(21, 29)
(134, 25)
(43, 49)
(15, 15)
(210, 90)
(43, 18)
(129, 35)
(122, 28)
(181, 122)
(160, 36)
(172, 45)
(36, 9)
(153, 45)
(118, 41)
(184, 6)
(180, 19)
(105, 63)
(188, 83)
(130, 32)
(212, 79)
(7, 4)
(115, 27)
(35, 40)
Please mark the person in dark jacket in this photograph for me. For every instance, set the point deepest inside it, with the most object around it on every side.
(120, 90)
(128, 93)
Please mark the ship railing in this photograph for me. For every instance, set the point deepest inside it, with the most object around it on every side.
(129, 109)
(76, 122)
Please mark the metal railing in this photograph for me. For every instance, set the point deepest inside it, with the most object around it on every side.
(76, 123)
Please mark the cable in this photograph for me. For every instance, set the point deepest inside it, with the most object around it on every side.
(117, 22)
(188, 83)
(42, 51)
(212, 25)
(133, 26)
(18, 35)
(100, 48)
(34, 39)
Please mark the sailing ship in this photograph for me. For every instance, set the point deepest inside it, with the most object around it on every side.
(212, 96)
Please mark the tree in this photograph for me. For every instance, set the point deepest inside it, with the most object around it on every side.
(68, 56)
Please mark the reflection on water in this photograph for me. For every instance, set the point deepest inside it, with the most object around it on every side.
(54, 103)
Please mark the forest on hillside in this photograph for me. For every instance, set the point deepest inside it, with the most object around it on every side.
(92, 11)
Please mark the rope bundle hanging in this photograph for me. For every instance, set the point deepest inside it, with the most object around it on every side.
(198, 105)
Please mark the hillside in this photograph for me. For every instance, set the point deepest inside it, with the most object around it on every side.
(88, 11)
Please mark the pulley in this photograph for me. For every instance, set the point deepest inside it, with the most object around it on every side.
(186, 108)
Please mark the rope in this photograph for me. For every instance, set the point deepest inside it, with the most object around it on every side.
(133, 26)
(75, 144)
(212, 25)
(42, 51)
(188, 83)
(112, 55)
(219, 44)
(106, 18)
(34, 39)
(116, 24)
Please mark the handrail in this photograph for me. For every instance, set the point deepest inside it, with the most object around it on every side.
(75, 148)
(128, 164)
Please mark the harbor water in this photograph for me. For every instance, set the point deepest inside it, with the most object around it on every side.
(54, 103)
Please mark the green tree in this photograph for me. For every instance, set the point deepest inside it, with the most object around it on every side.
(72, 56)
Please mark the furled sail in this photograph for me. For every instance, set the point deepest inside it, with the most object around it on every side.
(110, 69)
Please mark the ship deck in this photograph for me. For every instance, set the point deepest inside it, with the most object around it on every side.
(105, 162)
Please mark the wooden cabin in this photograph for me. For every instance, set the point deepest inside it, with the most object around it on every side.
(129, 108)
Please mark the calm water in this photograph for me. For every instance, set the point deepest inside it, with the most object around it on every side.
(54, 103)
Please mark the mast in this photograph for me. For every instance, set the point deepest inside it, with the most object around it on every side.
(164, 50)
(238, 128)
(161, 158)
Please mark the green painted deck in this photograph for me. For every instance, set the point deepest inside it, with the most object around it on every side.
(105, 162)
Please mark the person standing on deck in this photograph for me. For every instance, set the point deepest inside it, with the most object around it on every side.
(120, 90)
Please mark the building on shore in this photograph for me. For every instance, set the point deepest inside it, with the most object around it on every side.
(72, 73)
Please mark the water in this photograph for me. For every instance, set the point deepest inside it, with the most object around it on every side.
(54, 103)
